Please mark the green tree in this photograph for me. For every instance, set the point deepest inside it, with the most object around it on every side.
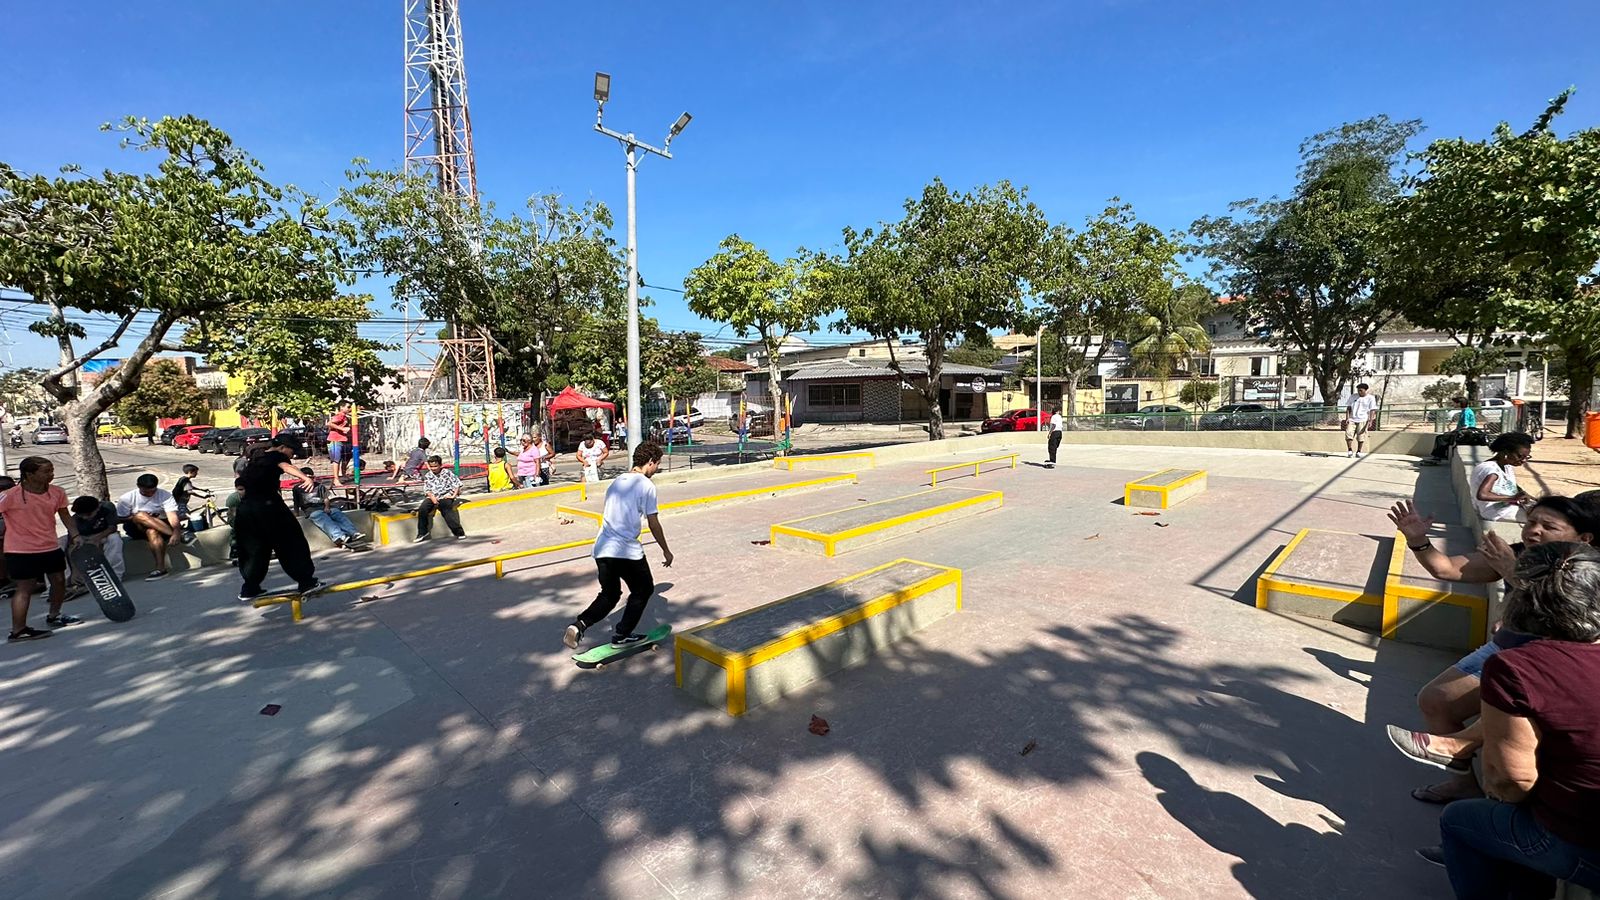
(298, 358)
(1472, 363)
(736, 354)
(745, 287)
(1168, 334)
(523, 280)
(1526, 208)
(1198, 392)
(165, 391)
(975, 352)
(594, 357)
(1096, 287)
(22, 392)
(954, 265)
(1441, 392)
(201, 233)
(1311, 270)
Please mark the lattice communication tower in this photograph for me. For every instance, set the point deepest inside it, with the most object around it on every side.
(439, 144)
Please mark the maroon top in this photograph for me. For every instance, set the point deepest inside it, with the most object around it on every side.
(1552, 683)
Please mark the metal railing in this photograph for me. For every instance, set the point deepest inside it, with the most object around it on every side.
(1260, 417)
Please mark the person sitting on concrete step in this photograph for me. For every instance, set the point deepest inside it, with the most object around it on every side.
(150, 513)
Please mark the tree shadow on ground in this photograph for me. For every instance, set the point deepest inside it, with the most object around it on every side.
(509, 773)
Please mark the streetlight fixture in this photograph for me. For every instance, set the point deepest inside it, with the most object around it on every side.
(636, 150)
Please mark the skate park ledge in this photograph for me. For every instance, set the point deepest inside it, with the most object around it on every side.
(854, 527)
(483, 512)
(757, 656)
(1358, 580)
(828, 462)
(1164, 489)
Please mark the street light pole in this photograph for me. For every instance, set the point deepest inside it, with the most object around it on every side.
(631, 147)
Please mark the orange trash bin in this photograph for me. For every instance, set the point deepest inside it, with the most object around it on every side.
(1591, 430)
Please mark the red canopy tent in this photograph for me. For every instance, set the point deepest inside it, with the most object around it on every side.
(571, 400)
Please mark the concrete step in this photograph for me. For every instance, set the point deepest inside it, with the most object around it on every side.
(866, 524)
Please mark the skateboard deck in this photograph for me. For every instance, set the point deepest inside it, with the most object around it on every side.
(605, 653)
(89, 562)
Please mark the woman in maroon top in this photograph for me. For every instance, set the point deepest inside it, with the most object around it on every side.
(1541, 750)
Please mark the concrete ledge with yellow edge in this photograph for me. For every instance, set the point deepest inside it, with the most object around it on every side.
(976, 464)
(865, 524)
(1421, 609)
(741, 661)
(1164, 489)
(297, 601)
(699, 495)
(854, 461)
(1333, 575)
(481, 512)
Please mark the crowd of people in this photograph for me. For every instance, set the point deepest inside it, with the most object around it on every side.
(1516, 723)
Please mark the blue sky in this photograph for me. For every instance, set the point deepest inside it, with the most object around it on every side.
(808, 116)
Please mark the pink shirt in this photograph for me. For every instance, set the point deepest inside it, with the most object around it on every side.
(31, 519)
(528, 461)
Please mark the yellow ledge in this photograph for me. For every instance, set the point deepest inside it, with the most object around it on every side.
(382, 520)
(691, 502)
(736, 664)
(830, 539)
(787, 462)
(1394, 591)
(1163, 490)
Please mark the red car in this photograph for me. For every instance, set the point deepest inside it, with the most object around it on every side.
(1015, 420)
(189, 436)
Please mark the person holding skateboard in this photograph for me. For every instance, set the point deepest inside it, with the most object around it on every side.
(263, 523)
(96, 521)
(32, 555)
(619, 557)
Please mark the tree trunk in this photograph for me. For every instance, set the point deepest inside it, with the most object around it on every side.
(931, 389)
(1580, 387)
(1327, 386)
(1071, 400)
(774, 375)
(82, 424)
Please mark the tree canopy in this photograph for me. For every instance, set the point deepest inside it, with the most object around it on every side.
(165, 391)
(956, 264)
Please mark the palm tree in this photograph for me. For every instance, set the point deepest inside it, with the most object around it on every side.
(1169, 332)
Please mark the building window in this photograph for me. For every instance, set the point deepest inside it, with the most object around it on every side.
(1202, 365)
(833, 394)
(861, 351)
(1391, 360)
(1258, 365)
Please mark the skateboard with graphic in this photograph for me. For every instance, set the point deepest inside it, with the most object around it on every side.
(605, 654)
(92, 568)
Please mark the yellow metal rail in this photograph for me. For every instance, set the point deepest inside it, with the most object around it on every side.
(976, 465)
(498, 561)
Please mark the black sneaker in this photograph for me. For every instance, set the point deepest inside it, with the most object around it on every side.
(315, 586)
(247, 596)
(1434, 855)
(573, 636)
(61, 621)
(627, 640)
(157, 575)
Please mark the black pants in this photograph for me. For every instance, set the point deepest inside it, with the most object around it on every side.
(1055, 442)
(613, 573)
(261, 526)
(447, 508)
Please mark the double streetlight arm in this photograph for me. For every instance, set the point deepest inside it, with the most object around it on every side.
(631, 146)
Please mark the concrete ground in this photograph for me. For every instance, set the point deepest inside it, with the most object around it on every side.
(1109, 716)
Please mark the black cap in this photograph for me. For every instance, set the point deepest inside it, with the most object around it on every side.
(147, 481)
(292, 441)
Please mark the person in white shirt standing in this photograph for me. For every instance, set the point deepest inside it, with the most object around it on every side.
(1056, 424)
(1358, 412)
(151, 513)
(592, 455)
(618, 555)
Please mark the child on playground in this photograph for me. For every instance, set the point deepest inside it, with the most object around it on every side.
(501, 476)
(619, 557)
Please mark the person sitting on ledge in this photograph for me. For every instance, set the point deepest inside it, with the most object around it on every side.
(1541, 749)
(1452, 697)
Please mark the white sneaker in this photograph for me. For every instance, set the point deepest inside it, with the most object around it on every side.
(1349, 454)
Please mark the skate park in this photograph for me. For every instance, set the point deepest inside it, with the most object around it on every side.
(1048, 692)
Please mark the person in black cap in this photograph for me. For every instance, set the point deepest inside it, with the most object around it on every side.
(264, 523)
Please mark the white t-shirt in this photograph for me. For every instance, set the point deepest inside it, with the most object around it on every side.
(591, 455)
(156, 504)
(1055, 421)
(629, 499)
(1505, 485)
(1361, 408)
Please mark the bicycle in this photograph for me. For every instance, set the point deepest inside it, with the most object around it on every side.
(1532, 424)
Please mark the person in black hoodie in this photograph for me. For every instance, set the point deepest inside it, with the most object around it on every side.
(263, 523)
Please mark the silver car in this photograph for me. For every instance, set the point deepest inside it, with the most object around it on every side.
(50, 434)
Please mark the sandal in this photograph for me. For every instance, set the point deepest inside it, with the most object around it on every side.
(28, 634)
(1430, 795)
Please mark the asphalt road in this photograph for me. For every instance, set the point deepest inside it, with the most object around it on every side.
(127, 461)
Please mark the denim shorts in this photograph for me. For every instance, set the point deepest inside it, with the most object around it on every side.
(1503, 639)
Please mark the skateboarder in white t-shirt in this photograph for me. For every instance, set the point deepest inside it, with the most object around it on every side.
(618, 555)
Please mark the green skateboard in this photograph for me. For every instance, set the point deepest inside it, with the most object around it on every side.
(605, 653)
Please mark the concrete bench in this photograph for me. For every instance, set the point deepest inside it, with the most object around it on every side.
(1332, 575)
(977, 466)
(869, 523)
(1421, 609)
(757, 656)
(484, 511)
(699, 495)
(827, 462)
(1164, 489)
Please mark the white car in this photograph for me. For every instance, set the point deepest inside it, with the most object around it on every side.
(694, 418)
(50, 434)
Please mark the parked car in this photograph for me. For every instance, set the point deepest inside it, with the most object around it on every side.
(1159, 417)
(170, 432)
(211, 441)
(243, 439)
(694, 418)
(1008, 421)
(758, 420)
(189, 436)
(50, 434)
(1237, 415)
(677, 434)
